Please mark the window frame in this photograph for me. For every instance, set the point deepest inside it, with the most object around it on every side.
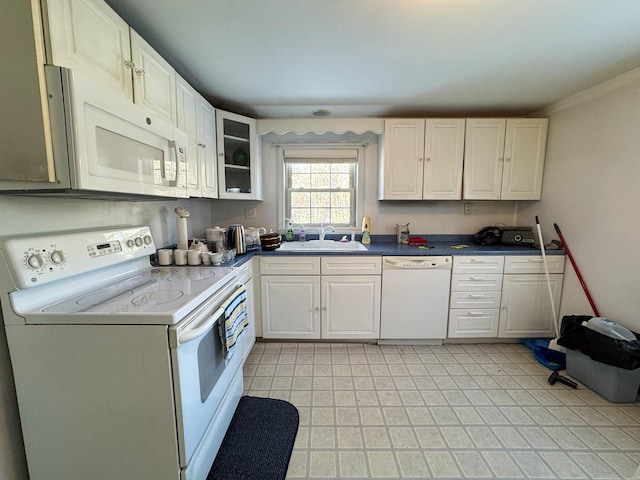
(318, 152)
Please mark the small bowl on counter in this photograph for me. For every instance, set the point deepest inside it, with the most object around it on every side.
(216, 258)
(270, 241)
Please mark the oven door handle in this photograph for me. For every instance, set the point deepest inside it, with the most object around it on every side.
(192, 334)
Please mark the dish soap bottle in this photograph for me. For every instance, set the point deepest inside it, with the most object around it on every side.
(302, 234)
(289, 235)
(366, 231)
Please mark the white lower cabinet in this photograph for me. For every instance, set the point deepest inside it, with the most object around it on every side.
(290, 306)
(504, 297)
(300, 303)
(526, 306)
(474, 302)
(351, 306)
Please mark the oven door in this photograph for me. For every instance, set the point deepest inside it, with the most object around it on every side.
(202, 375)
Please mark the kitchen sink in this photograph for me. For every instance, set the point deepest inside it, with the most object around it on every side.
(322, 246)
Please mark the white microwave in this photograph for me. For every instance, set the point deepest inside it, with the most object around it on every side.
(103, 145)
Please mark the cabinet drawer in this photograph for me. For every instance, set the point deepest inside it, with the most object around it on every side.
(533, 264)
(465, 323)
(475, 282)
(479, 264)
(475, 299)
(290, 265)
(351, 265)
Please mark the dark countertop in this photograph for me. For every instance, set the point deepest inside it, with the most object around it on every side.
(438, 245)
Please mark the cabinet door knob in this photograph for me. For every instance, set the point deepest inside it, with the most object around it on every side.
(139, 71)
(507, 159)
(129, 64)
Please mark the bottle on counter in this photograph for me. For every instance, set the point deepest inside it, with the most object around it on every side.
(289, 236)
(302, 234)
(366, 231)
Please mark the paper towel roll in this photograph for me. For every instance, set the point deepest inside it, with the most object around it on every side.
(181, 227)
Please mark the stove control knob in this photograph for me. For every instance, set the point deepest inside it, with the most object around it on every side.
(138, 241)
(35, 261)
(130, 243)
(57, 257)
(147, 240)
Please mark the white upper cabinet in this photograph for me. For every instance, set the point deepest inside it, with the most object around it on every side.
(401, 168)
(196, 117)
(524, 152)
(422, 159)
(239, 165)
(89, 37)
(154, 79)
(444, 153)
(504, 158)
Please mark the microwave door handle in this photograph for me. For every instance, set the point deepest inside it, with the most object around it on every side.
(192, 334)
(172, 164)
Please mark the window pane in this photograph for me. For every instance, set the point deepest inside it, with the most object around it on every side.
(300, 180)
(321, 192)
(340, 167)
(301, 215)
(320, 199)
(341, 181)
(320, 215)
(341, 199)
(300, 168)
(320, 180)
(300, 199)
(340, 215)
(320, 168)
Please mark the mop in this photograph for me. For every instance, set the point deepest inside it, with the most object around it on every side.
(548, 353)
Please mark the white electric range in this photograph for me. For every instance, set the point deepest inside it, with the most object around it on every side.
(119, 367)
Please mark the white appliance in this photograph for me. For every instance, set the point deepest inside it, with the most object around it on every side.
(415, 298)
(119, 366)
(103, 144)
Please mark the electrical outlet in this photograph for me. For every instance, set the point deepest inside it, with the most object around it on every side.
(468, 208)
(250, 213)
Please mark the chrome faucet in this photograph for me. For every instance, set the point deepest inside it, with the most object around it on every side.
(324, 230)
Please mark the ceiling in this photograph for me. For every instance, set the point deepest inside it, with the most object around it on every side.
(355, 58)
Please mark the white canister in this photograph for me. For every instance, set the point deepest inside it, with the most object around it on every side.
(194, 256)
(180, 256)
(165, 256)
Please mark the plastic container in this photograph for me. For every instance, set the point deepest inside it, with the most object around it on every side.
(610, 329)
(617, 385)
(302, 234)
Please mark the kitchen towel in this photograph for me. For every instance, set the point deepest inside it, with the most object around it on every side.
(235, 319)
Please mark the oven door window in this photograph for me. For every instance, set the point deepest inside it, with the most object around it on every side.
(210, 362)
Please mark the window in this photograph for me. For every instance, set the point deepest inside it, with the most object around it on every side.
(321, 185)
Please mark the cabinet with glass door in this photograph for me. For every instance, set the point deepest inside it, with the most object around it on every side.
(239, 166)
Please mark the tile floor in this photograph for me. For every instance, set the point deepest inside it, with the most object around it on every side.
(451, 411)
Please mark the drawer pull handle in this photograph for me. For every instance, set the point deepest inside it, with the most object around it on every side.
(475, 314)
(471, 295)
(477, 260)
(476, 279)
(535, 260)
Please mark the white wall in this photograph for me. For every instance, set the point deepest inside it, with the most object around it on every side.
(591, 190)
(426, 217)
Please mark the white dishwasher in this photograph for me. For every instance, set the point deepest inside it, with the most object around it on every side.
(415, 298)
